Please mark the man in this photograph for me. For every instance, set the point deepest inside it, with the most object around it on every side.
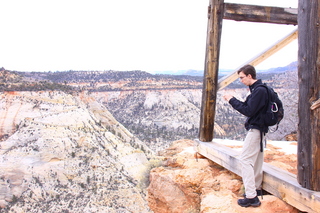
(252, 152)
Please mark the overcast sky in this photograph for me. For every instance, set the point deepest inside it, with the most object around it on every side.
(148, 35)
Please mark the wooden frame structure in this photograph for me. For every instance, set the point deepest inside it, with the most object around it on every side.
(301, 191)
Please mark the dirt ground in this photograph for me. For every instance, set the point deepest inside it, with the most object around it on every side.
(281, 160)
(275, 157)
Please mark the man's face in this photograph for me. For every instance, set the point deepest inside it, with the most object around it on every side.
(245, 79)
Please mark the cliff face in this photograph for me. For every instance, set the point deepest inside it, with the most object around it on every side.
(63, 153)
(159, 117)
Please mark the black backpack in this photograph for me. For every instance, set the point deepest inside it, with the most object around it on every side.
(273, 112)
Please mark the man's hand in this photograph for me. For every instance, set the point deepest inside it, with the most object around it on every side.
(227, 97)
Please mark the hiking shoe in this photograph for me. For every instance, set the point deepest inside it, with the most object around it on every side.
(246, 202)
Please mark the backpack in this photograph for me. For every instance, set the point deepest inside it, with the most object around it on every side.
(273, 112)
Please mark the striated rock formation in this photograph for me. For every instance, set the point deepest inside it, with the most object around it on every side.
(157, 117)
(160, 116)
(187, 184)
(63, 153)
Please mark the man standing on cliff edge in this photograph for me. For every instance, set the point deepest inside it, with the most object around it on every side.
(252, 152)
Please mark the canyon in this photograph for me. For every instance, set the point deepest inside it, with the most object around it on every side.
(99, 142)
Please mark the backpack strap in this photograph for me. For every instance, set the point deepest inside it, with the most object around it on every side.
(262, 133)
(268, 94)
(261, 140)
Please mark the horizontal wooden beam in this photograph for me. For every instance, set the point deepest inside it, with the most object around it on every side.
(276, 181)
(226, 80)
(254, 13)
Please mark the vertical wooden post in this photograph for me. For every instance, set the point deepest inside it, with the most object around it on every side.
(210, 80)
(309, 94)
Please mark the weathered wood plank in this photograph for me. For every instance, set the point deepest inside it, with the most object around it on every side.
(225, 81)
(264, 14)
(309, 93)
(209, 92)
(284, 185)
(222, 155)
(276, 181)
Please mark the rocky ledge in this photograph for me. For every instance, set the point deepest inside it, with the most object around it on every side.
(190, 183)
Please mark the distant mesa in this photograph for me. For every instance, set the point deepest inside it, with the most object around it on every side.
(223, 72)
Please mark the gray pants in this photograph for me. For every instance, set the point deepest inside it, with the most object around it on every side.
(252, 161)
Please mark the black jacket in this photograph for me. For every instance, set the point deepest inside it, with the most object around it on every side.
(252, 106)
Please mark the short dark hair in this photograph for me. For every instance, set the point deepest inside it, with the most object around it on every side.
(248, 69)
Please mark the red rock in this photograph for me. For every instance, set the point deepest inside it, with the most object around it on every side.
(189, 184)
